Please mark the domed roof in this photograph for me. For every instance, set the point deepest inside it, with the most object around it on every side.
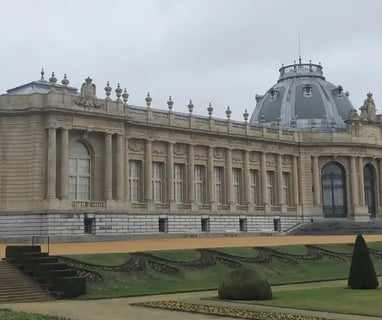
(302, 97)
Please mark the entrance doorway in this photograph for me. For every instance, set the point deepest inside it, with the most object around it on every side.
(334, 190)
(369, 183)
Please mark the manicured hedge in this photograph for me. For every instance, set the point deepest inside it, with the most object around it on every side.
(362, 273)
(245, 284)
(14, 252)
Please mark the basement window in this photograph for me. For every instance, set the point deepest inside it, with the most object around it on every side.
(205, 224)
(163, 225)
(89, 225)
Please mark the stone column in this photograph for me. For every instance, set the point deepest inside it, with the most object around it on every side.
(380, 180)
(353, 182)
(247, 179)
(119, 176)
(64, 184)
(316, 182)
(210, 175)
(52, 154)
(108, 187)
(263, 178)
(170, 172)
(279, 169)
(191, 163)
(296, 198)
(126, 173)
(229, 182)
(361, 182)
(148, 172)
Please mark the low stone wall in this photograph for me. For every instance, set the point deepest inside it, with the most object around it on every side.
(117, 224)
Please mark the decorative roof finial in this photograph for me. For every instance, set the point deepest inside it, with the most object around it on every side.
(148, 100)
(42, 74)
(107, 90)
(125, 96)
(210, 109)
(190, 106)
(245, 115)
(118, 92)
(228, 112)
(53, 79)
(65, 81)
(170, 103)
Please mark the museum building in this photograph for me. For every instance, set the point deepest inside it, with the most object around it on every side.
(74, 164)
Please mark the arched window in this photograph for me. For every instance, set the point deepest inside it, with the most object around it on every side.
(369, 183)
(333, 190)
(79, 171)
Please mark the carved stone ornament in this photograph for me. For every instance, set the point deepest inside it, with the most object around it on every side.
(88, 98)
(286, 160)
(135, 146)
(254, 157)
(218, 153)
(179, 150)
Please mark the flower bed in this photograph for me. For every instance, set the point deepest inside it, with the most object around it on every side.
(225, 311)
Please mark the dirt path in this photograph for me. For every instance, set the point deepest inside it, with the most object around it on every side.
(191, 243)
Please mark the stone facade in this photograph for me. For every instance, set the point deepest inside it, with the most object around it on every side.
(154, 171)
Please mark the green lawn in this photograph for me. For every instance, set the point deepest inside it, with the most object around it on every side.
(286, 265)
(331, 299)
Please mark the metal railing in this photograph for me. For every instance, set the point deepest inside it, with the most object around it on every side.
(34, 238)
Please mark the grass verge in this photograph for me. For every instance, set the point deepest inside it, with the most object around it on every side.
(329, 299)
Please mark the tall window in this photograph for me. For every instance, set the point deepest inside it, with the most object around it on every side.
(135, 180)
(286, 188)
(334, 190)
(157, 181)
(254, 186)
(219, 193)
(236, 173)
(179, 183)
(199, 184)
(79, 171)
(271, 180)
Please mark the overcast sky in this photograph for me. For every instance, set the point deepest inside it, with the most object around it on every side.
(218, 51)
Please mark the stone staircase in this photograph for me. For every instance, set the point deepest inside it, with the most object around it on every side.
(17, 287)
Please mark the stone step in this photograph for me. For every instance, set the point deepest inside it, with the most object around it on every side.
(17, 287)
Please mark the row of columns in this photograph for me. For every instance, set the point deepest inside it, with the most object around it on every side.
(118, 171)
(211, 179)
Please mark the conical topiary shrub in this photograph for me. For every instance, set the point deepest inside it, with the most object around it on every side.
(362, 274)
(245, 284)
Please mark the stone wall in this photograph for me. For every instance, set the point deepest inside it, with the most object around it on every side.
(118, 224)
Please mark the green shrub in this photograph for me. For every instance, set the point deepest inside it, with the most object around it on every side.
(362, 274)
(245, 284)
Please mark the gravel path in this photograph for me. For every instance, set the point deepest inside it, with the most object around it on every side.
(191, 243)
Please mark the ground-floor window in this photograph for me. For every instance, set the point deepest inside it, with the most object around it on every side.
(243, 224)
(163, 224)
(199, 182)
(333, 190)
(89, 225)
(205, 224)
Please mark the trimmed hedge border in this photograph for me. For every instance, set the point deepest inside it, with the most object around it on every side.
(8, 314)
(224, 311)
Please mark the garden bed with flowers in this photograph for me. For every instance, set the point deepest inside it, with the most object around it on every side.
(226, 311)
